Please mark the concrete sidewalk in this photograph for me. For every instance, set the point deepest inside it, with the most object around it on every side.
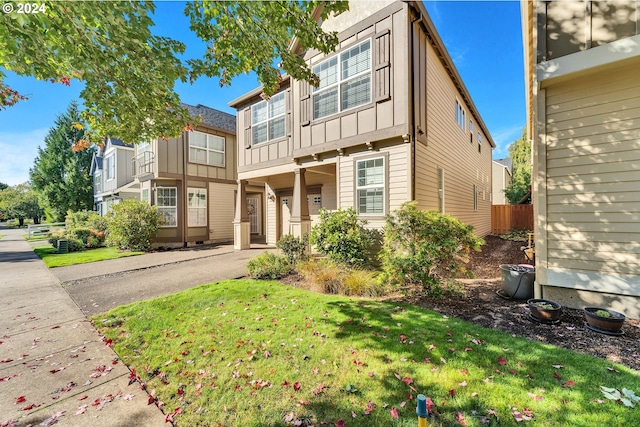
(54, 369)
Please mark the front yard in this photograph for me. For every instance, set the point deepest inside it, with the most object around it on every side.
(257, 353)
(53, 259)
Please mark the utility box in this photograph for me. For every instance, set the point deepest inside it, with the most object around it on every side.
(63, 246)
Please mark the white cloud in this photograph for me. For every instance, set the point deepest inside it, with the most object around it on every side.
(503, 137)
(18, 150)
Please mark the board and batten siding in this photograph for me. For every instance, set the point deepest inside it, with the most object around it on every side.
(452, 149)
(593, 182)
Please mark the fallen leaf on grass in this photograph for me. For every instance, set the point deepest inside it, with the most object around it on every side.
(461, 420)
(394, 413)
(502, 361)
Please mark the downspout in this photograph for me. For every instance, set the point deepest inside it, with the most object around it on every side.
(184, 197)
(412, 139)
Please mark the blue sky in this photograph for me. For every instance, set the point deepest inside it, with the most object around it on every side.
(483, 38)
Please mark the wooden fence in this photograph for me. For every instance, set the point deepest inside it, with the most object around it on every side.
(505, 218)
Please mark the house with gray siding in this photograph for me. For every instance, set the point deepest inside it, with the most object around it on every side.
(113, 179)
(390, 122)
(583, 106)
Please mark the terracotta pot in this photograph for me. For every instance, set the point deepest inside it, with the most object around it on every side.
(611, 324)
(545, 310)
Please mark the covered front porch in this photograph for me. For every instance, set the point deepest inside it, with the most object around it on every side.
(283, 202)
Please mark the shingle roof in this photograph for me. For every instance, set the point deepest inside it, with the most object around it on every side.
(213, 117)
(508, 162)
(118, 142)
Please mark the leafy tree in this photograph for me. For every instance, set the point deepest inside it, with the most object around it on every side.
(520, 152)
(129, 73)
(60, 175)
(20, 202)
(3, 185)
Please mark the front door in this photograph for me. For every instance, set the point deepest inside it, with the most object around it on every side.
(253, 206)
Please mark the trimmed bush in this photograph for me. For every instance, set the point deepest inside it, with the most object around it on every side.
(132, 225)
(80, 233)
(294, 248)
(425, 247)
(268, 266)
(342, 237)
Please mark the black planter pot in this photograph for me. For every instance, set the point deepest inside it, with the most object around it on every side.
(517, 281)
(544, 310)
(611, 324)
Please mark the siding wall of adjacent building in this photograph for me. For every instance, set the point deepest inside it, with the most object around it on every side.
(221, 211)
(453, 150)
(592, 144)
(500, 181)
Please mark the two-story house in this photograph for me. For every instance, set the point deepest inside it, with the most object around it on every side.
(390, 122)
(113, 179)
(501, 173)
(582, 62)
(191, 180)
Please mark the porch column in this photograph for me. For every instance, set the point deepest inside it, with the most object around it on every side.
(300, 220)
(241, 225)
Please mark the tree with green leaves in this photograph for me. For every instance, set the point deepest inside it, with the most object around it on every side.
(520, 153)
(60, 175)
(3, 185)
(129, 73)
(20, 202)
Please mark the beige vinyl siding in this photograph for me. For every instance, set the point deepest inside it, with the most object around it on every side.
(593, 182)
(271, 219)
(170, 156)
(397, 178)
(221, 211)
(450, 148)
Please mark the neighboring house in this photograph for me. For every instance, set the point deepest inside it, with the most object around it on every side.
(501, 173)
(583, 105)
(112, 175)
(390, 122)
(191, 180)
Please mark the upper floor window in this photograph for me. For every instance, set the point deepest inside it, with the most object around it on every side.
(205, 148)
(345, 81)
(479, 142)
(98, 182)
(110, 166)
(370, 186)
(471, 130)
(268, 119)
(461, 116)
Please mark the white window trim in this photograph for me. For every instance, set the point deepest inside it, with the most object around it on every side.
(174, 207)
(97, 182)
(365, 187)
(461, 115)
(207, 150)
(339, 81)
(110, 165)
(190, 220)
(475, 197)
(269, 120)
(142, 195)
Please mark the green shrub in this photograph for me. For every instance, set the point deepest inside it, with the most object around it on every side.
(342, 237)
(132, 225)
(330, 277)
(425, 247)
(96, 239)
(77, 219)
(294, 248)
(80, 233)
(268, 266)
(74, 243)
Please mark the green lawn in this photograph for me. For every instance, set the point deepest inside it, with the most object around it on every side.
(53, 259)
(36, 237)
(253, 353)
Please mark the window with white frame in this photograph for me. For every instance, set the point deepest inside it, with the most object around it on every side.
(461, 116)
(370, 185)
(479, 142)
(145, 195)
(268, 119)
(206, 148)
(98, 182)
(110, 166)
(197, 207)
(167, 205)
(345, 81)
(471, 130)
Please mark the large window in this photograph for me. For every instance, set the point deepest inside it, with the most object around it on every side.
(205, 148)
(268, 119)
(345, 81)
(197, 203)
(110, 166)
(167, 204)
(370, 186)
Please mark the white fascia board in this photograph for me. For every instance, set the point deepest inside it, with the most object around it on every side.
(618, 50)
